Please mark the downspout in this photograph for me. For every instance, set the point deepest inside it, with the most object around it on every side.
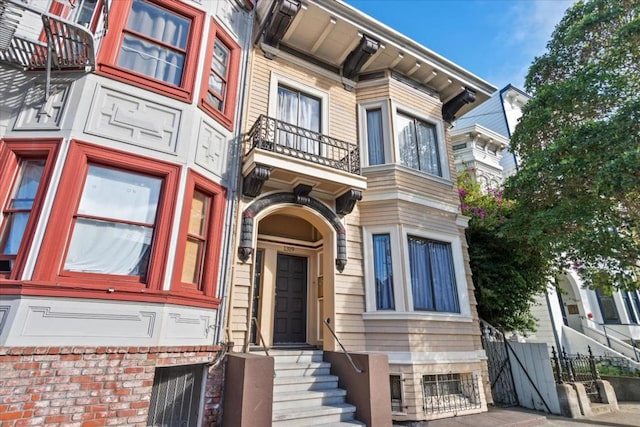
(222, 321)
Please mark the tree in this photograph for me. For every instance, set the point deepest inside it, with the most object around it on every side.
(508, 272)
(578, 188)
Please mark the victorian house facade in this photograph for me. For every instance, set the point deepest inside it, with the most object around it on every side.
(118, 128)
(179, 178)
(349, 234)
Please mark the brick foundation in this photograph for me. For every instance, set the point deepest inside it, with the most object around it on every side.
(93, 386)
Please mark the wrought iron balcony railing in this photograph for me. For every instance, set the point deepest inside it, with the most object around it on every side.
(280, 137)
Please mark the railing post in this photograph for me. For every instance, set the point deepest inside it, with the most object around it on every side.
(569, 366)
(604, 328)
(556, 362)
(594, 367)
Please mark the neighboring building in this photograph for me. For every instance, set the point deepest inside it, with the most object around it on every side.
(569, 314)
(349, 209)
(118, 140)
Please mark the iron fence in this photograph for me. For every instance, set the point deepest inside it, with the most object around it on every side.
(577, 368)
(284, 138)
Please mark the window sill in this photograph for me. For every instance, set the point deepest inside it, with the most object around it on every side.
(88, 291)
(414, 315)
(224, 119)
(144, 82)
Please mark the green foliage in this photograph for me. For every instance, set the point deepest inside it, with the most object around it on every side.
(507, 271)
(578, 190)
(616, 371)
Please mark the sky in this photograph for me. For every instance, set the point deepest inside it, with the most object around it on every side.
(494, 39)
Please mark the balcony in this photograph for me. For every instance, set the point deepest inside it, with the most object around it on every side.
(33, 38)
(285, 153)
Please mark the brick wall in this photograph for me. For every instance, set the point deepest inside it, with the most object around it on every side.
(92, 386)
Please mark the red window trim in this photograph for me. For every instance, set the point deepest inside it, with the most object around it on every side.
(108, 55)
(11, 150)
(225, 117)
(57, 237)
(63, 11)
(211, 257)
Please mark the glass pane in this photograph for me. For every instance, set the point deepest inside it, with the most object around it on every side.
(83, 13)
(109, 248)
(214, 101)
(151, 59)
(14, 227)
(407, 142)
(159, 24)
(420, 270)
(192, 257)
(220, 58)
(383, 272)
(216, 84)
(374, 137)
(198, 213)
(428, 148)
(27, 184)
(121, 195)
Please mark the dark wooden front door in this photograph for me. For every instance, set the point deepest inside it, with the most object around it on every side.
(290, 320)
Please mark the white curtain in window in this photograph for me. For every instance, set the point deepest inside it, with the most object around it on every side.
(428, 148)
(148, 57)
(300, 110)
(114, 228)
(407, 142)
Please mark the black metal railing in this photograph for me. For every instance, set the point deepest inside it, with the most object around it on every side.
(327, 323)
(622, 338)
(280, 137)
(450, 393)
(577, 368)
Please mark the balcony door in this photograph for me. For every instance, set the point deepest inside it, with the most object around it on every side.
(303, 112)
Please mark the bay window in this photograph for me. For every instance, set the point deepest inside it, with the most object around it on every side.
(433, 281)
(197, 259)
(418, 145)
(116, 209)
(25, 170)
(218, 93)
(153, 43)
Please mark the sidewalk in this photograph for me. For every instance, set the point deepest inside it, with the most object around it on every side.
(627, 416)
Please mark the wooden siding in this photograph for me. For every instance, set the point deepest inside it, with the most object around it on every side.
(342, 103)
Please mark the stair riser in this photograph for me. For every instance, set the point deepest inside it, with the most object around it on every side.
(294, 404)
(325, 385)
(297, 359)
(302, 372)
(321, 419)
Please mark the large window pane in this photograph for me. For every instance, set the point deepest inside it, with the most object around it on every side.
(196, 239)
(154, 42)
(383, 272)
(374, 137)
(418, 144)
(607, 307)
(433, 282)
(300, 110)
(114, 223)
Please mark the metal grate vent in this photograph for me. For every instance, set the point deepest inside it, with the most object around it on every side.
(175, 398)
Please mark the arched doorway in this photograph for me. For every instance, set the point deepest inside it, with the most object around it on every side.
(293, 247)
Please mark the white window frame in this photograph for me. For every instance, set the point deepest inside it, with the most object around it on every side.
(396, 267)
(458, 265)
(383, 105)
(398, 108)
(402, 275)
(277, 80)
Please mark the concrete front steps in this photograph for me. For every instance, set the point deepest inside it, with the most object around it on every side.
(306, 394)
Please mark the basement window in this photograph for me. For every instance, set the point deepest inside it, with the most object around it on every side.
(175, 397)
(446, 393)
(395, 384)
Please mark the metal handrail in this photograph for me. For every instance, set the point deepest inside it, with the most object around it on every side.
(634, 343)
(344, 350)
(278, 136)
(264, 345)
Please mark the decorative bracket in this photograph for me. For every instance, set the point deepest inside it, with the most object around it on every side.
(253, 182)
(452, 106)
(347, 201)
(302, 193)
(358, 56)
(281, 17)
